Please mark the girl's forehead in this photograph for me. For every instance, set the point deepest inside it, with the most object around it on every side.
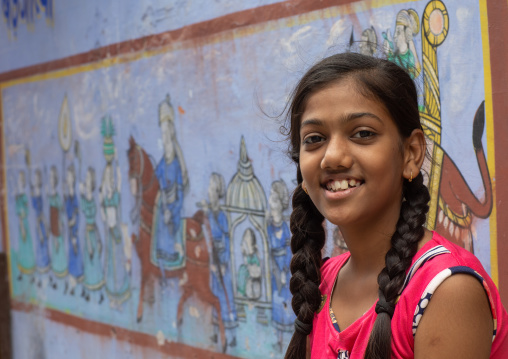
(337, 99)
(349, 85)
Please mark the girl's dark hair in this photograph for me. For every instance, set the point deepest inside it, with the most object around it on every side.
(386, 82)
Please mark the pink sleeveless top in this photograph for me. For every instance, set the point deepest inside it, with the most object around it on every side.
(444, 259)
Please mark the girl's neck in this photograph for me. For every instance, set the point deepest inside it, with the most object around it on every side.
(368, 249)
(369, 241)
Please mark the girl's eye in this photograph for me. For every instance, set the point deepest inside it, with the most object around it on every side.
(312, 139)
(363, 134)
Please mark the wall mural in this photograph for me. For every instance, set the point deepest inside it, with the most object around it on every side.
(151, 195)
(17, 12)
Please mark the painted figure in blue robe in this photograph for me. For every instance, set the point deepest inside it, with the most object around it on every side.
(222, 285)
(92, 246)
(279, 238)
(117, 275)
(56, 235)
(41, 234)
(74, 245)
(25, 255)
(171, 174)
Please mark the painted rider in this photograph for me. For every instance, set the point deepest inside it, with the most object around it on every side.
(171, 173)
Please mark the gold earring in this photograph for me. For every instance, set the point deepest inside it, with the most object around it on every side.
(411, 178)
(304, 189)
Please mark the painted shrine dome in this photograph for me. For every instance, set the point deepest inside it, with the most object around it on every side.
(244, 190)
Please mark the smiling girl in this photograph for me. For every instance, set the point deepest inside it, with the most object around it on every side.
(401, 291)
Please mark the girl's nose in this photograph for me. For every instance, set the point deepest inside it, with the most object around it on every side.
(337, 154)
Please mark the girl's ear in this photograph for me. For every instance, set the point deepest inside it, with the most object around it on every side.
(414, 153)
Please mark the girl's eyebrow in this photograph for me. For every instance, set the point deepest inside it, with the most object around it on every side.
(344, 119)
(311, 121)
(353, 116)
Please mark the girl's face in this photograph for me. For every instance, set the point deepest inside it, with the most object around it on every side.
(351, 156)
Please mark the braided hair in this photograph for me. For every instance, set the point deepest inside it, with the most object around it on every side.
(307, 240)
(392, 86)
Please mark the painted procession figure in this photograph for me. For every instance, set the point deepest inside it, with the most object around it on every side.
(222, 285)
(279, 238)
(401, 48)
(72, 212)
(41, 234)
(171, 174)
(117, 275)
(25, 255)
(58, 257)
(92, 259)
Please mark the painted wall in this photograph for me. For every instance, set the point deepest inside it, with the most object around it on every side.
(146, 193)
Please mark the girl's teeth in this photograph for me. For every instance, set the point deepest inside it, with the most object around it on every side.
(342, 185)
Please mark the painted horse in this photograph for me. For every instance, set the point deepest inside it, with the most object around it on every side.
(195, 275)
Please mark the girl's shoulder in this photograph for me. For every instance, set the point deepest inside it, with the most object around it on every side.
(437, 260)
(451, 256)
(434, 263)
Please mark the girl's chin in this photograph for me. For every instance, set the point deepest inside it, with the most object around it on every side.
(343, 220)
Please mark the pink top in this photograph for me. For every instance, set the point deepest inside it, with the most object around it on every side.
(422, 279)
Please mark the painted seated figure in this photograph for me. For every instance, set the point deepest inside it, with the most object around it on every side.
(249, 274)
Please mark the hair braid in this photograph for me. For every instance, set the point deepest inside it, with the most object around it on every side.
(308, 238)
(404, 245)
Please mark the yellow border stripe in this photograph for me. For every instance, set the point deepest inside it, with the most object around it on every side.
(489, 116)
